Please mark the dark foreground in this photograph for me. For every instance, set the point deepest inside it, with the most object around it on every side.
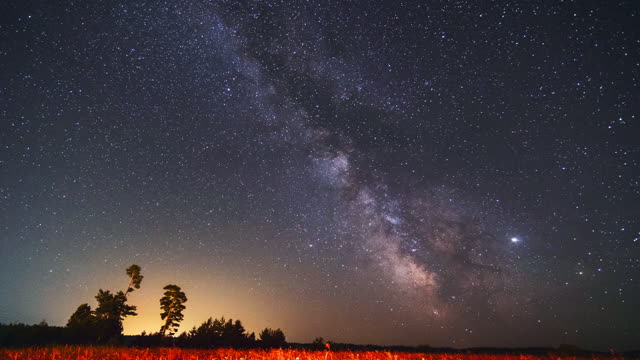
(121, 353)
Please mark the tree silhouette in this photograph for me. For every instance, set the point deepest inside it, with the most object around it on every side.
(219, 332)
(81, 317)
(318, 343)
(81, 325)
(135, 278)
(111, 311)
(272, 338)
(113, 306)
(171, 304)
(105, 322)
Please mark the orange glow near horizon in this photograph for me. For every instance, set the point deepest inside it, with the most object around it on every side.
(211, 293)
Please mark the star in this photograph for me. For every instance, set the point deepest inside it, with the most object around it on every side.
(343, 161)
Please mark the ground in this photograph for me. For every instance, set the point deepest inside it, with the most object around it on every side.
(114, 353)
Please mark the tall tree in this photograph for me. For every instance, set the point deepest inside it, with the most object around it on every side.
(135, 278)
(172, 305)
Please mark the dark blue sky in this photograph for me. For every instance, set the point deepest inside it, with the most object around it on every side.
(452, 173)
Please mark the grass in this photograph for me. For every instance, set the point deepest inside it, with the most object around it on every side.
(120, 353)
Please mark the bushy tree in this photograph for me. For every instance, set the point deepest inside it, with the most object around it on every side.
(82, 317)
(113, 306)
(81, 325)
(272, 338)
(172, 305)
(111, 311)
(219, 333)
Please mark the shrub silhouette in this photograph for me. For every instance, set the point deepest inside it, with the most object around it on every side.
(218, 333)
(270, 338)
(81, 327)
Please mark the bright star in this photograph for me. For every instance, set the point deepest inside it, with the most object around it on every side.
(515, 240)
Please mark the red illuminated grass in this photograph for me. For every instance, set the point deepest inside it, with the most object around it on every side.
(114, 353)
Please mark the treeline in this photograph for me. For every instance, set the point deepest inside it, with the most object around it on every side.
(221, 333)
(103, 325)
(33, 335)
(214, 333)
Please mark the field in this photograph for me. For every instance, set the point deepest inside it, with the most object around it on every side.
(113, 353)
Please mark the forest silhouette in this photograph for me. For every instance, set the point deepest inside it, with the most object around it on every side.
(103, 325)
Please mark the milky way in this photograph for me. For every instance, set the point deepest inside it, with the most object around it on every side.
(451, 173)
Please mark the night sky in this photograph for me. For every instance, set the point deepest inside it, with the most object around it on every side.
(451, 173)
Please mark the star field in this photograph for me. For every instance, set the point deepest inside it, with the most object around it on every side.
(447, 173)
